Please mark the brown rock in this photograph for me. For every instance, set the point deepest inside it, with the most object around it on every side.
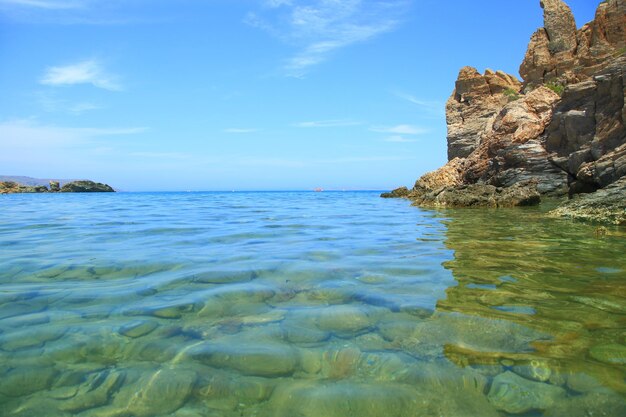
(475, 101)
(560, 26)
(558, 52)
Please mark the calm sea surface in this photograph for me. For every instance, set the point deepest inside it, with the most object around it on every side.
(334, 304)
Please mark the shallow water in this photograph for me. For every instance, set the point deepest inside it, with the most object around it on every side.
(305, 304)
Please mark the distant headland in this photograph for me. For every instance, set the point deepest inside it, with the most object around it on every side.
(21, 184)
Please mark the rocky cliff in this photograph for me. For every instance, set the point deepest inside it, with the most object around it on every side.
(560, 131)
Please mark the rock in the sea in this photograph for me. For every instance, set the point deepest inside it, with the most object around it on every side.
(607, 205)
(397, 193)
(480, 195)
(138, 328)
(513, 394)
(315, 399)
(23, 380)
(343, 320)
(612, 354)
(55, 186)
(160, 393)
(265, 360)
(86, 187)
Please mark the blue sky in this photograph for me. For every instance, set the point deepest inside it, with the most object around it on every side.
(244, 94)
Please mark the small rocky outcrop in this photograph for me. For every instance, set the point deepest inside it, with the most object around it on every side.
(86, 187)
(55, 186)
(607, 205)
(479, 195)
(560, 132)
(11, 187)
(397, 193)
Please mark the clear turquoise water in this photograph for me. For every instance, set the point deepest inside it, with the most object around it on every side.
(305, 305)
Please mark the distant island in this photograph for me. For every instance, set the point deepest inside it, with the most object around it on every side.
(20, 184)
(561, 131)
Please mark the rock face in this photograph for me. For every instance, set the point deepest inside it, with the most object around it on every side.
(472, 105)
(587, 136)
(562, 131)
(560, 53)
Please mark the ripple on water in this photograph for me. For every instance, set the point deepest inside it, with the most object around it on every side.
(304, 304)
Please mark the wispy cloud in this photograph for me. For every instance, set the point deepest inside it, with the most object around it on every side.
(327, 123)
(400, 129)
(21, 134)
(320, 28)
(398, 139)
(428, 106)
(84, 72)
(45, 4)
(52, 104)
(240, 130)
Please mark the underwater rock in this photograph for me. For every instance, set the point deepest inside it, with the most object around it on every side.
(611, 354)
(301, 333)
(591, 404)
(30, 337)
(95, 392)
(536, 370)
(22, 381)
(266, 360)
(512, 393)
(343, 320)
(315, 399)
(138, 328)
(160, 393)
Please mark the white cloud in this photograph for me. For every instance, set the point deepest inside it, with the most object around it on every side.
(239, 130)
(83, 72)
(428, 106)
(28, 134)
(278, 3)
(319, 28)
(327, 123)
(401, 130)
(398, 139)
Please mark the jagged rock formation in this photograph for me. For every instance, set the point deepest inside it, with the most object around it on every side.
(587, 136)
(561, 131)
(12, 187)
(559, 53)
(472, 105)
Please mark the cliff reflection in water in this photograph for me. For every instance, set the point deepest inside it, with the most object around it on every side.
(563, 280)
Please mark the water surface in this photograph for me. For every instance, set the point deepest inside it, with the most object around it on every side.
(305, 304)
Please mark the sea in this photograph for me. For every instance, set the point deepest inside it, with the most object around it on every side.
(305, 304)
